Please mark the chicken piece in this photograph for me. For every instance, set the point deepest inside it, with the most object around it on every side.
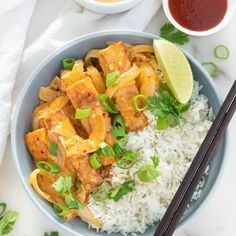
(70, 77)
(134, 120)
(114, 58)
(63, 131)
(43, 110)
(59, 124)
(38, 145)
(82, 93)
(89, 176)
(148, 81)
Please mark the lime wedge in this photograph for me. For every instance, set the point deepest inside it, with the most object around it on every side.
(175, 68)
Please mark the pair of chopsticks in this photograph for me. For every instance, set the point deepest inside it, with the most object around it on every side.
(198, 166)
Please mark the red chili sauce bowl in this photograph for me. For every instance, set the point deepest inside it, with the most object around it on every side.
(199, 17)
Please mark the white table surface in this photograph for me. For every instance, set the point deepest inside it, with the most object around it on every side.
(216, 218)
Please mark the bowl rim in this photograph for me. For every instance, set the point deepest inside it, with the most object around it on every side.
(108, 8)
(30, 79)
(228, 15)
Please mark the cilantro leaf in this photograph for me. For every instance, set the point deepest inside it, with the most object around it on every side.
(170, 33)
(155, 160)
(117, 193)
(72, 202)
(63, 184)
(53, 233)
(7, 221)
(166, 108)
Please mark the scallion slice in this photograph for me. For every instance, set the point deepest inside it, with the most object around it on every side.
(60, 209)
(48, 167)
(95, 161)
(107, 103)
(53, 148)
(83, 113)
(118, 121)
(136, 100)
(106, 150)
(100, 193)
(147, 173)
(221, 52)
(214, 68)
(128, 160)
(112, 79)
(68, 63)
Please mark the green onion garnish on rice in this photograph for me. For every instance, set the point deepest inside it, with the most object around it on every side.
(100, 193)
(147, 173)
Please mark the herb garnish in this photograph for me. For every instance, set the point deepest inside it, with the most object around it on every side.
(117, 193)
(53, 148)
(63, 187)
(53, 233)
(170, 33)
(7, 220)
(167, 109)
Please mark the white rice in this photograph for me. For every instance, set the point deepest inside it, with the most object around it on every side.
(176, 148)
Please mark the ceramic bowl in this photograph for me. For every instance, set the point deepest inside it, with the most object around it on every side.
(230, 12)
(108, 8)
(43, 74)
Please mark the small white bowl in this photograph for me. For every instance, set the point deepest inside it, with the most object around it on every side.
(108, 8)
(230, 11)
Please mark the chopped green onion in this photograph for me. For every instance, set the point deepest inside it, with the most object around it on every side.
(107, 103)
(147, 173)
(48, 167)
(72, 202)
(142, 99)
(214, 68)
(128, 160)
(112, 79)
(83, 113)
(3, 207)
(68, 63)
(60, 209)
(100, 193)
(105, 150)
(221, 52)
(53, 148)
(95, 161)
(162, 123)
(155, 160)
(53, 233)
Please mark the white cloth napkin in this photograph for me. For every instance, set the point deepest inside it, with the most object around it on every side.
(32, 29)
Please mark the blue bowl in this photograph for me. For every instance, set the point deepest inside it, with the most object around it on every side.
(49, 68)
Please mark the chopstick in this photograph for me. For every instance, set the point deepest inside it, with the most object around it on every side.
(196, 170)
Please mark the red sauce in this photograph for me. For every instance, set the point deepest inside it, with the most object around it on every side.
(198, 15)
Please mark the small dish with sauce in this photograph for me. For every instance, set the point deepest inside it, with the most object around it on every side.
(108, 6)
(199, 17)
